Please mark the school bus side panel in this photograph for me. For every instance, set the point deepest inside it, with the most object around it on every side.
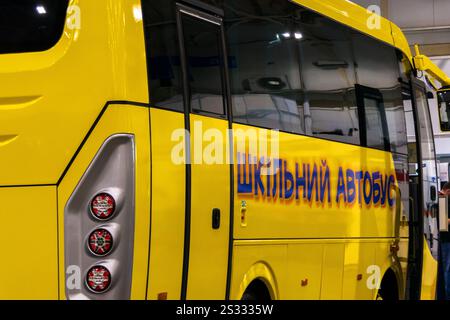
(28, 232)
(117, 119)
(345, 219)
(211, 190)
(50, 99)
(328, 193)
(429, 274)
(168, 205)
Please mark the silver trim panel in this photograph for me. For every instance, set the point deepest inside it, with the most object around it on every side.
(112, 171)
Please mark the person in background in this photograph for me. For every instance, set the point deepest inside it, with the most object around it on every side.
(445, 248)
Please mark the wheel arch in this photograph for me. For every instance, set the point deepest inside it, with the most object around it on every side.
(259, 272)
(391, 287)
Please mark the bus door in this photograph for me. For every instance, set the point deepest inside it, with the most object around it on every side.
(423, 245)
(206, 92)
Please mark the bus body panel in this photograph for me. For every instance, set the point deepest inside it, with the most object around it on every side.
(328, 266)
(168, 207)
(359, 262)
(124, 119)
(262, 260)
(210, 190)
(30, 243)
(312, 269)
(429, 274)
(50, 99)
(271, 214)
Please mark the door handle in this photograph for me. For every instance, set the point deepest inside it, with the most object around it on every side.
(216, 219)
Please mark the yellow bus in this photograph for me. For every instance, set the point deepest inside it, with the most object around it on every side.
(212, 149)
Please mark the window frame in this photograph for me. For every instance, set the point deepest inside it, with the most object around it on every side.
(187, 99)
(58, 25)
(362, 93)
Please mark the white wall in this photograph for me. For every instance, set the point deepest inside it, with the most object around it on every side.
(420, 14)
(414, 13)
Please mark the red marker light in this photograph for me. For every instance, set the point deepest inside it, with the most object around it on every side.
(103, 206)
(100, 242)
(98, 279)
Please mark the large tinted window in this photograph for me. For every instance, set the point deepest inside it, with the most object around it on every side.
(378, 68)
(164, 60)
(163, 54)
(372, 111)
(329, 79)
(376, 137)
(28, 25)
(293, 70)
(265, 65)
(290, 69)
(204, 60)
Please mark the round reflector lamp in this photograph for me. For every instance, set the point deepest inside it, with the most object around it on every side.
(100, 242)
(98, 279)
(103, 206)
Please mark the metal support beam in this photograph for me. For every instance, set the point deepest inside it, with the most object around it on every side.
(423, 63)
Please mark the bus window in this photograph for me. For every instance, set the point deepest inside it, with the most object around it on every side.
(375, 120)
(163, 55)
(296, 77)
(377, 66)
(264, 67)
(329, 78)
(202, 42)
(397, 126)
(370, 102)
(27, 26)
(422, 175)
(429, 170)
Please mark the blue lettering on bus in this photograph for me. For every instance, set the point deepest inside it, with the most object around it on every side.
(351, 187)
(311, 182)
(367, 188)
(341, 187)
